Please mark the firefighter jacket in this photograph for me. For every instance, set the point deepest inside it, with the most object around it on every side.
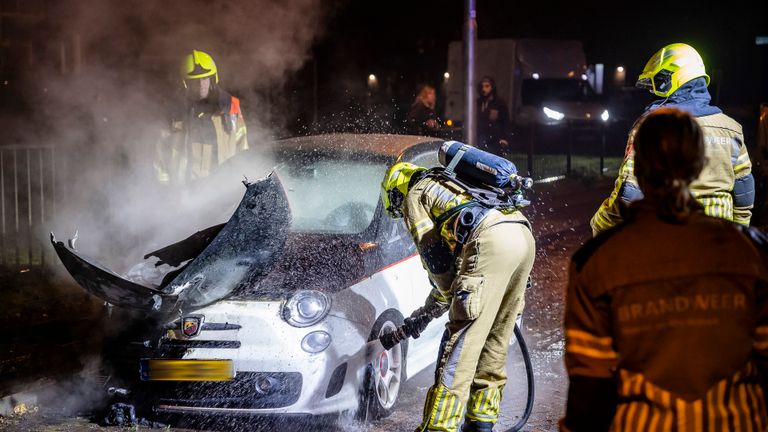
(201, 136)
(725, 187)
(425, 203)
(666, 327)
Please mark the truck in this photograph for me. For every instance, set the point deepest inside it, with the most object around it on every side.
(543, 81)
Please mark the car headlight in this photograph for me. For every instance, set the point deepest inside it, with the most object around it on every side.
(605, 115)
(554, 115)
(306, 308)
(315, 342)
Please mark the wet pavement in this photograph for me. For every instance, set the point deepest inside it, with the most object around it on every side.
(560, 215)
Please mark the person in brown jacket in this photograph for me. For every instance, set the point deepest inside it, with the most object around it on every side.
(666, 322)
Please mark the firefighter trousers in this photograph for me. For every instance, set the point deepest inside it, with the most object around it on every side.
(488, 294)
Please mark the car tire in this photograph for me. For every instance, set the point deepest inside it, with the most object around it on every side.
(384, 378)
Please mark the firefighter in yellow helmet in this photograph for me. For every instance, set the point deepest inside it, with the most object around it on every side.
(725, 187)
(206, 127)
(480, 281)
(666, 318)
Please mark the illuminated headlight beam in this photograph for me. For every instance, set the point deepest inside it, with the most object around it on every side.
(554, 115)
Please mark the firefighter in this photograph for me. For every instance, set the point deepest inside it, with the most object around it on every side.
(206, 129)
(666, 321)
(479, 270)
(725, 187)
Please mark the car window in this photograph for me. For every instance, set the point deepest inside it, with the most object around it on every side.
(427, 159)
(331, 193)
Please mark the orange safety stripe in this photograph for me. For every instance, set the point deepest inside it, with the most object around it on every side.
(234, 106)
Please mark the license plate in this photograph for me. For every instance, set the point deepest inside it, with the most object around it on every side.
(186, 370)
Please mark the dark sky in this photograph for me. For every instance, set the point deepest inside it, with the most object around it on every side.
(261, 44)
(410, 38)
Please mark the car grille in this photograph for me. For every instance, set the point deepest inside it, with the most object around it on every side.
(247, 390)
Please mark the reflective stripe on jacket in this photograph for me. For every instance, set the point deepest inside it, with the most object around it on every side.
(678, 329)
(727, 166)
(188, 152)
(425, 202)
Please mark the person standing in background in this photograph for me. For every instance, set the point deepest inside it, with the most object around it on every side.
(205, 130)
(493, 125)
(422, 118)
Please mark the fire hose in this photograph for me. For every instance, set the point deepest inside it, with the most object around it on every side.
(389, 340)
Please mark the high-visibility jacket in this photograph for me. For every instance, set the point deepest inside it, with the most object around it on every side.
(725, 187)
(481, 282)
(666, 327)
(424, 204)
(201, 138)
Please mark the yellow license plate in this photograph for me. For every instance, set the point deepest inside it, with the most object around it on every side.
(186, 370)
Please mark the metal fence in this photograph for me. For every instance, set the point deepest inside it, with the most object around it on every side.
(27, 203)
(569, 149)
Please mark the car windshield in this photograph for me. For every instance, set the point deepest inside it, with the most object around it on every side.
(331, 192)
(538, 91)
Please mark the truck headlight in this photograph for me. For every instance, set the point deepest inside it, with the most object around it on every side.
(306, 308)
(554, 115)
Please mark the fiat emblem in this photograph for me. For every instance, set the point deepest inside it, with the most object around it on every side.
(191, 325)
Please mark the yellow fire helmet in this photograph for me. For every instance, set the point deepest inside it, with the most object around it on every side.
(395, 186)
(670, 68)
(199, 65)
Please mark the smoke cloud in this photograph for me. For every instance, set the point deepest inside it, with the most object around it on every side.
(102, 77)
(104, 97)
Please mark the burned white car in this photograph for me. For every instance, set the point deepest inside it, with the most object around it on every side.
(270, 312)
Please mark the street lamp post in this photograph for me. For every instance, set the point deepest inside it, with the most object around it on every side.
(470, 36)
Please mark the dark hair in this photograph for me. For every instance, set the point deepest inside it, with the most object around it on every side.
(488, 79)
(669, 155)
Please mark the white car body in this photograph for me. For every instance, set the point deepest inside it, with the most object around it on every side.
(401, 287)
(266, 350)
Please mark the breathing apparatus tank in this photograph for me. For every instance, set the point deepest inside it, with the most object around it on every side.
(483, 170)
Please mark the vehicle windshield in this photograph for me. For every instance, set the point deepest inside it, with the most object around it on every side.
(331, 192)
(539, 91)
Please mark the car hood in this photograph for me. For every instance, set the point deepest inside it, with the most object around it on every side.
(223, 258)
(323, 262)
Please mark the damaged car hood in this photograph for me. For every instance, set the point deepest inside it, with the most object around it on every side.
(242, 251)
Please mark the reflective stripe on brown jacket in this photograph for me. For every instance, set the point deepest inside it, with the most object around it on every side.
(677, 315)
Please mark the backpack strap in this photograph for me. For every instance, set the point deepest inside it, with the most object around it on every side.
(456, 159)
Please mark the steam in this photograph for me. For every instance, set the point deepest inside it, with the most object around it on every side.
(108, 74)
(104, 102)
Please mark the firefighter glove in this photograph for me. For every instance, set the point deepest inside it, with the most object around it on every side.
(389, 340)
(414, 325)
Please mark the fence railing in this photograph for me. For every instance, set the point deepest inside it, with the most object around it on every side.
(569, 149)
(27, 203)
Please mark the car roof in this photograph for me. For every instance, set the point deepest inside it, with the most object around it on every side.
(379, 144)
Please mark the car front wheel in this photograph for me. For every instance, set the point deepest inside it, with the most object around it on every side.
(386, 374)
